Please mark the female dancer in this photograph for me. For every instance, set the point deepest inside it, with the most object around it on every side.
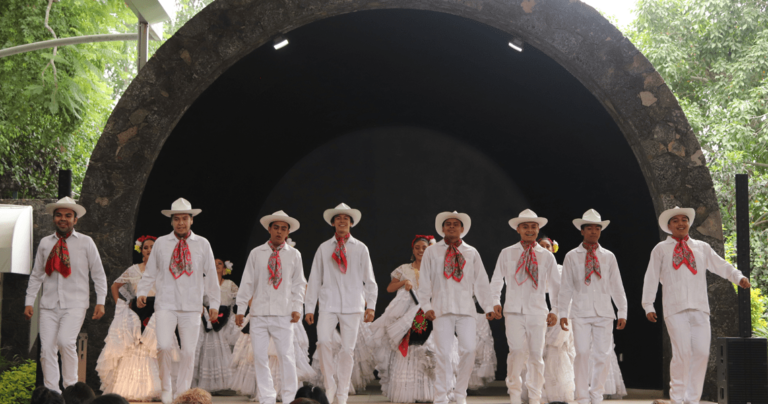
(214, 353)
(128, 363)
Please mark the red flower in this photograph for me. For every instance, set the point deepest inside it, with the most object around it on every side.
(419, 319)
(145, 322)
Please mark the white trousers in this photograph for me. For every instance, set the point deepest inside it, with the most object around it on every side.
(279, 328)
(444, 328)
(690, 334)
(58, 333)
(189, 330)
(525, 337)
(349, 325)
(591, 337)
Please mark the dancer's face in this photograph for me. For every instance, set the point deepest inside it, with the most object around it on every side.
(182, 223)
(220, 268)
(529, 231)
(64, 220)
(278, 232)
(591, 233)
(342, 223)
(146, 249)
(452, 228)
(679, 226)
(547, 246)
(419, 248)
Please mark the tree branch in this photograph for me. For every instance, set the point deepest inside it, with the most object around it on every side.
(758, 164)
(55, 48)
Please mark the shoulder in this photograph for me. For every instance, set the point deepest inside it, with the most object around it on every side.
(607, 252)
(571, 254)
(202, 240)
(468, 247)
(293, 250)
(84, 237)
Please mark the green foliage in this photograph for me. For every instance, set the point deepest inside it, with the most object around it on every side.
(48, 123)
(17, 384)
(713, 54)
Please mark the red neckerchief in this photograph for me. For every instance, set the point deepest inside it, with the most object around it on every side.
(340, 253)
(683, 254)
(592, 264)
(58, 259)
(275, 266)
(453, 267)
(181, 260)
(528, 265)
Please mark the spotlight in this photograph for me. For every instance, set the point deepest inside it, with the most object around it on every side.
(516, 44)
(280, 42)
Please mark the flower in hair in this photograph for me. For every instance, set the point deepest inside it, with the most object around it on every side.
(430, 239)
(141, 240)
(290, 242)
(228, 265)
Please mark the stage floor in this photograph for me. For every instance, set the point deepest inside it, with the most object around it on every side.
(493, 394)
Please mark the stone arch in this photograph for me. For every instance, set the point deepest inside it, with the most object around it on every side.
(568, 31)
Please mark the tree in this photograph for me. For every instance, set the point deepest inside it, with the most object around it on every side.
(54, 103)
(713, 54)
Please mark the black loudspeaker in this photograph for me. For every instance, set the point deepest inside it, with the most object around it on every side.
(742, 371)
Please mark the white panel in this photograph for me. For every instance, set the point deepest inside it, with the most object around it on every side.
(16, 239)
(153, 11)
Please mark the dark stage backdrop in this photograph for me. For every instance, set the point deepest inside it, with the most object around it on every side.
(404, 114)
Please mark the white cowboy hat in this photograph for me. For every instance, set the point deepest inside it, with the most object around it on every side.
(527, 216)
(342, 209)
(280, 216)
(463, 218)
(670, 213)
(66, 203)
(591, 217)
(181, 205)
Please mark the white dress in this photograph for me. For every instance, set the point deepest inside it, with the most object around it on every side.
(243, 379)
(614, 383)
(559, 354)
(213, 357)
(128, 363)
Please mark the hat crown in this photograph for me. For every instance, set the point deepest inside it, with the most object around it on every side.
(181, 204)
(592, 216)
(528, 213)
(66, 199)
(280, 213)
(342, 206)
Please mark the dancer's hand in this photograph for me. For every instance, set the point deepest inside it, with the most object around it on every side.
(214, 315)
(141, 301)
(98, 312)
(744, 283)
(490, 316)
(651, 317)
(29, 311)
(408, 285)
(368, 316)
(551, 319)
(430, 315)
(563, 323)
(497, 312)
(621, 324)
(310, 318)
(239, 320)
(295, 317)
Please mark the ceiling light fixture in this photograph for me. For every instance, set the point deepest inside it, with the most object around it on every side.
(280, 42)
(516, 44)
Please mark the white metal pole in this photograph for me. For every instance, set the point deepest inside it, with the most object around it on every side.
(66, 41)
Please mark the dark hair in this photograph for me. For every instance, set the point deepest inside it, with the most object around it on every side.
(289, 225)
(416, 240)
(44, 395)
(588, 224)
(109, 399)
(351, 220)
(443, 225)
(670, 219)
(310, 394)
(78, 393)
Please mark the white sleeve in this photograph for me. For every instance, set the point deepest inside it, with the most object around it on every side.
(315, 282)
(482, 286)
(553, 285)
(566, 288)
(247, 284)
(97, 272)
(371, 288)
(150, 272)
(617, 290)
(497, 281)
(299, 285)
(721, 267)
(211, 279)
(425, 284)
(36, 277)
(651, 282)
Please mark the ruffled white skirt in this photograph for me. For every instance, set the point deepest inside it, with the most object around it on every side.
(213, 360)
(614, 384)
(484, 371)
(559, 353)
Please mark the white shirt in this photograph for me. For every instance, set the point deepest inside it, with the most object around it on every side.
(268, 301)
(228, 294)
(523, 298)
(186, 292)
(130, 280)
(445, 295)
(593, 300)
(342, 293)
(681, 289)
(72, 291)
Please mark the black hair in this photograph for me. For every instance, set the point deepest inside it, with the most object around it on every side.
(670, 219)
(443, 225)
(78, 393)
(109, 399)
(351, 219)
(587, 224)
(311, 392)
(289, 225)
(44, 395)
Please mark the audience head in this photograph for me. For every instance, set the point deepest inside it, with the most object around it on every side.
(310, 395)
(194, 396)
(109, 399)
(43, 395)
(78, 393)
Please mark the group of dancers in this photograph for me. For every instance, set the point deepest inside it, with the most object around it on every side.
(178, 323)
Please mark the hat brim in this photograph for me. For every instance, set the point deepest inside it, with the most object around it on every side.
(51, 207)
(542, 221)
(292, 223)
(581, 222)
(442, 217)
(169, 212)
(353, 213)
(670, 213)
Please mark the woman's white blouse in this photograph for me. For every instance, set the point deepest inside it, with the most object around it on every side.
(406, 272)
(130, 280)
(228, 293)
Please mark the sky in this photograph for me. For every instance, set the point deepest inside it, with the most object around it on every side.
(621, 9)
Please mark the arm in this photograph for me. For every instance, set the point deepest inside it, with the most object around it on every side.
(247, 285)
(565, 295)
(314, 284)
(115, 288)
(497, 281)
(651, 283)
(212, 288)
(721, 267)
(369, 280)
(299, 287)
(396, 284)
(149, 276)
(617, 290)
(553, 284)
(425, 283)
(35, 280)
(482, 287)
(97, 273)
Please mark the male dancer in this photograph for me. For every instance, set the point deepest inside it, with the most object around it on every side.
(529, 271)
(176, 268)
(681, 263)
(591, 278)
(451, 273)
(62, 264)
(342, 278)
(274, 279)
